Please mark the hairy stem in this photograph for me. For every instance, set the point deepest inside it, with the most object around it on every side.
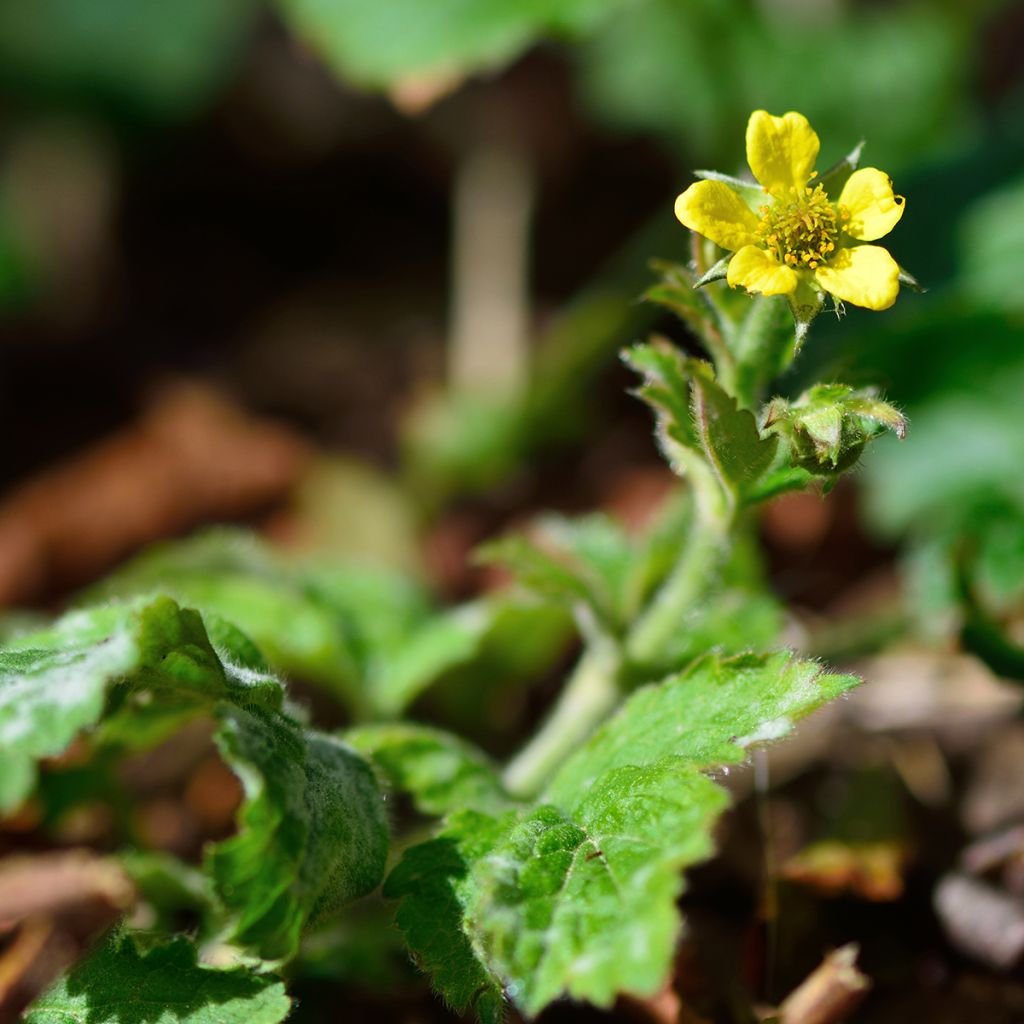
(591, 692)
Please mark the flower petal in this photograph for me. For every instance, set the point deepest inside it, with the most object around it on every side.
(874, 210)
(781, 151)
(714, 210)
(754, 269)
(865, 275)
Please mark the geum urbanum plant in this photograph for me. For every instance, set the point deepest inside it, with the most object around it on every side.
(557, 874)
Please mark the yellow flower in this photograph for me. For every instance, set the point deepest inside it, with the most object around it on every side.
(799, 236)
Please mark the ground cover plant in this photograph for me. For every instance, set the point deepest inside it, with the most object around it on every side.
(558, 873)
(620, 619)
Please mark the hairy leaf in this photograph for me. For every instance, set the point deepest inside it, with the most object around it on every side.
(119, 984)
(696, 417)
(370, 637)
(432, 881)
(584, 903)
(577, 894)
(728, 436)
(708, 714)
(313, 833)
(55, 683)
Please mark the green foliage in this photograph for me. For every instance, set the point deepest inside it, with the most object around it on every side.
(432, 882)
(710, 714)
(829, 425)
(703, 432)
(119, 983)
(57, 682)
(690, 70)
(586, 561)
(441, 772)
(576, 895)
(371, 637)
(312, 833)
(149, 57)
(380, 45)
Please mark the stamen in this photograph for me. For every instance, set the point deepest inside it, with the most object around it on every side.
(802, 228)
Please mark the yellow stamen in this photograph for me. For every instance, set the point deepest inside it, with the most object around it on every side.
(802, 228)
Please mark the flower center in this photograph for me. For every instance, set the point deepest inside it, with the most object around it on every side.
(800, 230)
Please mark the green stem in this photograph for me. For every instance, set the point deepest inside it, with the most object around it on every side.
(763, 346)
(587, 698)
(689, 580)
(596, 685)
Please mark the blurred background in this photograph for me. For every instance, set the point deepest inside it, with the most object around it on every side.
(356, 272)
(413, 238)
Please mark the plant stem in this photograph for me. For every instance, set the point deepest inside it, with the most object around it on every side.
(591, 692)
(595, 687)
(686, 584)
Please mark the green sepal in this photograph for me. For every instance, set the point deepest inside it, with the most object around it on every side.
(717, 272)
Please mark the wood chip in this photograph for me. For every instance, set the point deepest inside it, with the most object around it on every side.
(829, 994)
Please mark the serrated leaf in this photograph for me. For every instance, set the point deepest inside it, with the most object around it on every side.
(312, 835)
(577, 895)
(583, 903)
(441, 772)
(666, 389)
(676, 291)
(119, 984)
(55, 683)
(370, 637)
(312, 832)
(695, 415)
(729, 437)
(709, 714)
(432, 882)
(230, 573)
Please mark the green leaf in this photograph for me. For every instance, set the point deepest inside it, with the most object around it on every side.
(695, 416)
(381, 44)
(432, 881)
(312, 835)
(440, 644)
(441, 772)
(55, 683)
(578, 895)
(119, 984)
(312, 831)
(577, 562)
(584, 903)
(666, 389)
(709, 714)
(370, 637)
(676, 291)
(728, 435)
(228, 572)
